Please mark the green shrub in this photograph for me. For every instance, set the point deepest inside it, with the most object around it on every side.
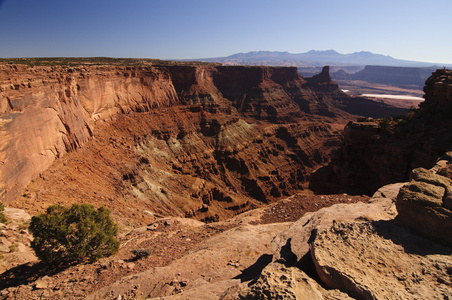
(73, 235)
(2, 216)
(386, 125)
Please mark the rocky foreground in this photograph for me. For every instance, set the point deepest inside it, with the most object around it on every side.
(359, 251)
(369, 249)
(164, 241)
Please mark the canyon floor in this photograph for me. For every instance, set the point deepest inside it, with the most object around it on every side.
(357, 87)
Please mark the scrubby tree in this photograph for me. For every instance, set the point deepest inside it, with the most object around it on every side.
(2, 216)
(73, 235)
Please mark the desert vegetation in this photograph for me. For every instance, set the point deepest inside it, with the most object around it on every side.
(75, 234)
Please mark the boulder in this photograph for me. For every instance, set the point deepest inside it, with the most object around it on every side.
(422, 193)
(294, 241)
(279, 282)
(428, 176)
(16, 215)
(380, 260)
(424, 205)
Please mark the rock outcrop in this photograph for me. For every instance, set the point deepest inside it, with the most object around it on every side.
(360, 249)
(15, 240)
(215, 265)
(397, 76)
(279, 282)
(381, 260)
(379, 152)
(424, 205)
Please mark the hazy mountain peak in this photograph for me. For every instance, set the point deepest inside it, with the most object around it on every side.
(315, 58)
(325, 52)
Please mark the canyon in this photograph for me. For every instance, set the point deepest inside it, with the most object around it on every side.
(201, 140)
(211, 170)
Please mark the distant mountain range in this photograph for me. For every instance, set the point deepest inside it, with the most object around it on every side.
(315, 58)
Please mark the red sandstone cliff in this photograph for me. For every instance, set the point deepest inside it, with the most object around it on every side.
(49, 111)
(194, 140)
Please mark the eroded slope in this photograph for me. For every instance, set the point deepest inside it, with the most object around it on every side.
(201, 141)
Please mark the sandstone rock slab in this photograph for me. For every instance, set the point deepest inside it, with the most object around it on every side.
(212, 267)
(381, 208)
(424, 205)
(279, 282)
(380, 260)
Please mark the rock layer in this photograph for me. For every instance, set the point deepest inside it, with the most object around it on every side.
(428, 198)
(201, 141)
(49, 111)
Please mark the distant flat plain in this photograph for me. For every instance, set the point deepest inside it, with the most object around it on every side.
(404, 97)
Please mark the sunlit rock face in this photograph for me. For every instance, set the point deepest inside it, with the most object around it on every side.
(203, 141)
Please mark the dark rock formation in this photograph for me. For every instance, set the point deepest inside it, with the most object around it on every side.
(322, 84)
(396, 76)
(378, 152)
(391, 75)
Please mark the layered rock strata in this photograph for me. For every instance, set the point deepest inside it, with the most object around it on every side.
(49, 111)
(203, 141)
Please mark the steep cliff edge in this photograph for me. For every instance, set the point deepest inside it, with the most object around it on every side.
(49, 111)
(378, 152)
(203, 141)
(398, 76)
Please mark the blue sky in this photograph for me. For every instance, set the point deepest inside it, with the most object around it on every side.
(184, 29)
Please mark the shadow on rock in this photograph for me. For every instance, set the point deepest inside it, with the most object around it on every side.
(288, 258)
(411, 242)
(253, 271)
(28, 273)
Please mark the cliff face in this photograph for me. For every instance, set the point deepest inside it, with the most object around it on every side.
(397, 76)
(190, 140)
(376, 153)
(49, 111)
